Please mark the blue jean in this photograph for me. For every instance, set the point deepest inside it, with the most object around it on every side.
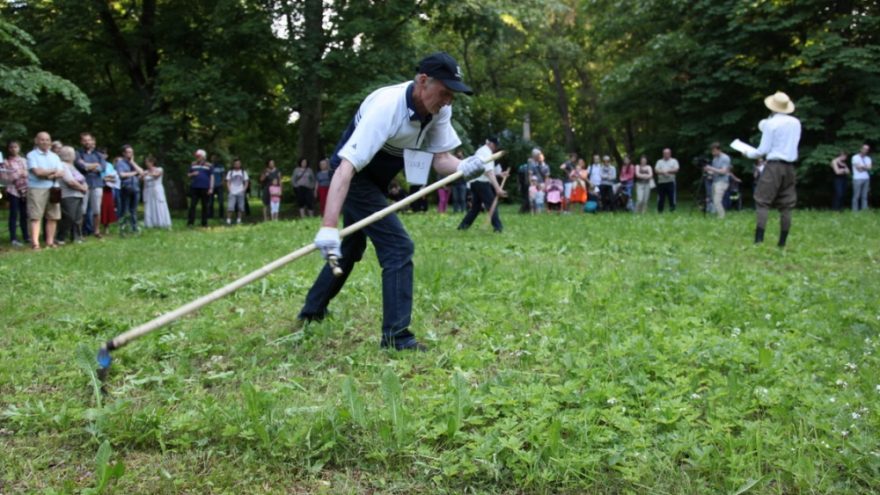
(394, 249)
(839, 192)
(129, 205)
(459, 197)
(665, 190)
(18, 214)
(484, 196)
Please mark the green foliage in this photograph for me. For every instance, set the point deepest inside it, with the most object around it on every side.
(104, 472)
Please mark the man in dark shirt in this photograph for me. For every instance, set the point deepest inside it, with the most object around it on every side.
(201, 186)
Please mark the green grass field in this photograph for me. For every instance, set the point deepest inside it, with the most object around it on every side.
(571, 354)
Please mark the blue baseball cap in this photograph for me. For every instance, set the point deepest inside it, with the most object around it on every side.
(443, 67)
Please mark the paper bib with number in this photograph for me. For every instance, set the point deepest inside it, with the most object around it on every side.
(417, 165)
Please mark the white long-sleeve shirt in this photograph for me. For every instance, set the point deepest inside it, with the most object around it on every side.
(780, 135)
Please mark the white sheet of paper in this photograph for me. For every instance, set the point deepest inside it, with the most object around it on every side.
(742, 147)
(417, 165)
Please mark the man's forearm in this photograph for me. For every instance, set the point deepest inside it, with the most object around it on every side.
(445, 163)
(338, 191)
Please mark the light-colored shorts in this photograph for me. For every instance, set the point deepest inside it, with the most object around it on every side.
(275, 205)
(566, 190)
(235, 200)
(95, 197)
(38, 205)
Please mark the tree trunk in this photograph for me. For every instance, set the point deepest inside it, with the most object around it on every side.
(562, 105)
(312, 83)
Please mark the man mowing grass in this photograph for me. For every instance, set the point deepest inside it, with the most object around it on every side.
(414, 115)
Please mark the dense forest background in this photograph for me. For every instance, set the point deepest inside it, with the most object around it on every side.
(280, 79)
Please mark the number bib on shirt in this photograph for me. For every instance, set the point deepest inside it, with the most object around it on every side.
(417, 165)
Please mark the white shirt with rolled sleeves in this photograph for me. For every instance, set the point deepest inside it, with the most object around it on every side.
(484, 152)
(780, 136)
(384, 122)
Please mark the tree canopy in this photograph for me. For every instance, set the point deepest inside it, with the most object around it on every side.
(612, 77)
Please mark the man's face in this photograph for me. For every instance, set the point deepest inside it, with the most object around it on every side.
(595, 158)
(435, 95)
(865, 149)
(128, 153)
(14, 149)
(667, 154)
(87, 141)
(716, 151)
(43, 141)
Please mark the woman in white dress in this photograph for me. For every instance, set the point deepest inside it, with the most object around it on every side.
(156, 214)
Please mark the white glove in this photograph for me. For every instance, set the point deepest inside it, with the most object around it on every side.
(327, 241)
(473, 166)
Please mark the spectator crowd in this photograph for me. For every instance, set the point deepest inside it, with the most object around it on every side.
(58, 194)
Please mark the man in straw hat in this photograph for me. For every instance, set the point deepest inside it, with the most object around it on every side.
(780, 135)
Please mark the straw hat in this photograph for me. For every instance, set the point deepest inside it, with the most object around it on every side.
(779, 103)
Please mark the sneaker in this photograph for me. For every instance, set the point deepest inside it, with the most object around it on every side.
(59, 243)
(16, 243)
(238, 221)
(228, 221)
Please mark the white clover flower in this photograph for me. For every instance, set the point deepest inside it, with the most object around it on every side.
(851, 366)
(735, 332)
(832, 400)
(856, 415)
(768, 316)
(844, 433)
(841, 383)
(695, 396)
(761, 391)
(877, 388)
(611, 401)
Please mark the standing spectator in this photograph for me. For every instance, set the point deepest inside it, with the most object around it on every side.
(606, 188)
(129, 173)
(323, 183)
(627, 179)
(267, 177)
(780, 136)
(580, 180)
(644, 184)
(541, 169)
(201, 187)
(568, 168)
(861, 164)
(665, 170)
(275, 198)
(237, 182)
(484, 188)
(219, 172)
(44, 170)
(841, 171)
(720, 171)
(595, 173)
(443, 199)
(111, 193)
(56, 146)
(73, 191)
(15, 174)
(539, 196)
(156, 214)
(90, 163)
(304, 187)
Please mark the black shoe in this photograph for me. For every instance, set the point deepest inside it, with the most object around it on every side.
(414, 345)
(759, 235)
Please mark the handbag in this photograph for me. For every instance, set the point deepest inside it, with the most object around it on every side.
(652, 184)
(54, 194)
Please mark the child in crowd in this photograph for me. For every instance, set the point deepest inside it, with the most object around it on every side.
(540, 196)
(533, 192)
(275, 198)
(554, 195)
